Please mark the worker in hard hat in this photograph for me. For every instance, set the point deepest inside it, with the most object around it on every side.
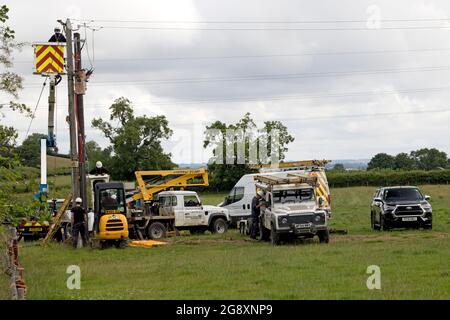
(57, 36)
(257, 203)
(79, 220)
(99, 169)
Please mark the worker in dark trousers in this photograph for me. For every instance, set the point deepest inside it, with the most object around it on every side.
(79, 220)
(257, 203)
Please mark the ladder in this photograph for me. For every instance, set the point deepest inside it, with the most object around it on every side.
(57, 221)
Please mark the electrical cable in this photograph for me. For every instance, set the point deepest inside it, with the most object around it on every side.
(35, 108)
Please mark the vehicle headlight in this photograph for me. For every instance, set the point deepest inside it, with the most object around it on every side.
(389, 208)
(427, 207)
(317, 218)
(283, 220)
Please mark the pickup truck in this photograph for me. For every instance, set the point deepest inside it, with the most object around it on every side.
(400, 207)
(179, 210)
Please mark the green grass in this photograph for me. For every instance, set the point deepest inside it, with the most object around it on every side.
(415, 264)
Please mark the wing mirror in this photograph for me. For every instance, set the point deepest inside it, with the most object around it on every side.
(321, 201)
(378, 200)
(427, 197)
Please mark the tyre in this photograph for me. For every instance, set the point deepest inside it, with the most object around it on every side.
(265, 233)
(428, 226)
(324, 236)
(372, 222)
(242, 228)
(219, 226)
(121, 244)
(274, 237)
(383, 224)
(156, 231)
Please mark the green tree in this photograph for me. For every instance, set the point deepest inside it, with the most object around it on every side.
(403, 161)
(135, 140)
(381, 161)
(338, 167)
(10, 83)
(95, 153)
(223, 172)
(429, 159)
(30, 150)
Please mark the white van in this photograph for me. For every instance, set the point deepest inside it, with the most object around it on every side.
(239, 200)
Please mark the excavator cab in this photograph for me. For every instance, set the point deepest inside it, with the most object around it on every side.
(110, 220)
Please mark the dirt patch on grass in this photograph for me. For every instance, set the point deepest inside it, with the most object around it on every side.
(389, 237)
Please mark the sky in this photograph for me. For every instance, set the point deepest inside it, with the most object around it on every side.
(348, 78)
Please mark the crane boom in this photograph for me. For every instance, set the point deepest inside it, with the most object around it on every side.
(166, 179)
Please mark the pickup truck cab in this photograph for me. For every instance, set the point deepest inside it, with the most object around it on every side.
(184, 211)
(400, 207)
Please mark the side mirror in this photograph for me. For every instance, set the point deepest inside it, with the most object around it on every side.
(427, 197)
(320, 201)
(377, 200)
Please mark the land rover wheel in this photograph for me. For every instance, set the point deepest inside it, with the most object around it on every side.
(219, 226)
(274, 237)
(265, 233)
(324, 236)
(156, 231)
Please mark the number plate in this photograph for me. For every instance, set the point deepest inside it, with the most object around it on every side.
(409, 219)
(35, 229)
(303, 225)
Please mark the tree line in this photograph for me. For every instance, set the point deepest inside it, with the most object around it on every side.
(422, 159)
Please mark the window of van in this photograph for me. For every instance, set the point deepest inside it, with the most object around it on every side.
(236, 194)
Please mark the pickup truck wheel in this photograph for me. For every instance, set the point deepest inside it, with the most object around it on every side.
(372, 221)
(219, 226)
(383, 226)
(274, 237)
(324, 236)
(156, 231)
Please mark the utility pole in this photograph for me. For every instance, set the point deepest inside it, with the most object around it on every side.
(72, 115)
(80, 89)
(51, 114)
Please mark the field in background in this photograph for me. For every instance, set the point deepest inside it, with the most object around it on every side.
(415, 264)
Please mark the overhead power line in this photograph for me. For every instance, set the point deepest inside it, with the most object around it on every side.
(276, 29)
(250, 21)
(268, 76)
(287, 55)
(305, 96)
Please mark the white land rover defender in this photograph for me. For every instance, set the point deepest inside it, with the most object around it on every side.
(291, 208)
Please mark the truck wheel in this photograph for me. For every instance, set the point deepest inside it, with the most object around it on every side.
(156, 231)
(219, 226)
(242, 228)
(372, 221)
(274, 237)
(265, 233)
(324, 236)
(428, 226)
(383, 226)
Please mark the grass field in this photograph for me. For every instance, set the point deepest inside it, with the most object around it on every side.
(415, 264)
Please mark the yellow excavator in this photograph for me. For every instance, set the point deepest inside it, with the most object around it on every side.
(110, 215)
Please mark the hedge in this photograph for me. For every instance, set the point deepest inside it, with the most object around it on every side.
(382, 178)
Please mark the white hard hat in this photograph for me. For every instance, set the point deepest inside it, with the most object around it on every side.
(78, 200)
(260, 193)
(99, 164)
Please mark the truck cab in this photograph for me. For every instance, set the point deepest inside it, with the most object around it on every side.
(291, 209)
(190, 214)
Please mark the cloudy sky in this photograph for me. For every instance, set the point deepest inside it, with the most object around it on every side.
(346, 84)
